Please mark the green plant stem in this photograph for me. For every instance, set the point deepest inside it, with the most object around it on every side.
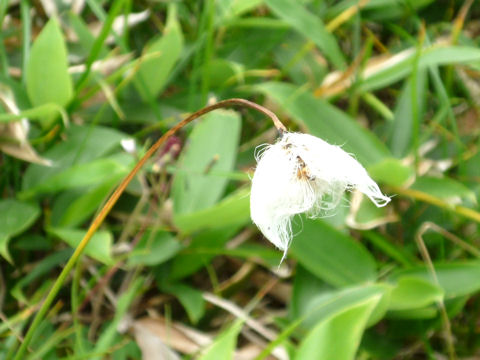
(79, 346)
(419, 195)
(116, 195)
(97, 46)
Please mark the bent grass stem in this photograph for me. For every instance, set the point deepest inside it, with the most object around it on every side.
(116, 195)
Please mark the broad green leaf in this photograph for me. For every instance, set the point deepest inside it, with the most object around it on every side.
(95, 172)
(47, 77)
(190, 298)
(331, 255)
(338, 337)
(163, 53)
(444, 188)
(326, 121)
(15, 217)
(233, 210)
(99, 246)
(82, 145)
(392, 172)
(310, 26)
(456, 278)
(224, 345)
(212, 147)
(154, 250)
(414, 293)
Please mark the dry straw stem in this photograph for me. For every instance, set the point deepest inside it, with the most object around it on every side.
(441, 305)
(346, 15)
(116, 195)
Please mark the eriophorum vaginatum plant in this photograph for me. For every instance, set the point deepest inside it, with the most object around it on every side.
(292, 177)
(301, 173)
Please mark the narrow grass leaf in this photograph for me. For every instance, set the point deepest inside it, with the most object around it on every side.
(41, 268)
(310, 26)
(435, 55)
(85, 37)
(98, 45)
(404, 127)
(231, 9)
(397, 253)
(381, 10)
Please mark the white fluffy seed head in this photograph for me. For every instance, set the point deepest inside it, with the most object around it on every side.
(301, 173)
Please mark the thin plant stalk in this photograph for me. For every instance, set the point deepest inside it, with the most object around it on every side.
(440, 303)
(422, 196)
(116, 195)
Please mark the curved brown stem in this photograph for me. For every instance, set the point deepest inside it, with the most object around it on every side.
(116, 195)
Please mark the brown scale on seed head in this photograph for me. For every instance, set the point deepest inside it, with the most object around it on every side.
(303, 173)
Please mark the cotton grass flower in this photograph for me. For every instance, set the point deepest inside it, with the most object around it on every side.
(301, 173)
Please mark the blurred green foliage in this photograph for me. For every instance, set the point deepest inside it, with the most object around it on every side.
(87, 86)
